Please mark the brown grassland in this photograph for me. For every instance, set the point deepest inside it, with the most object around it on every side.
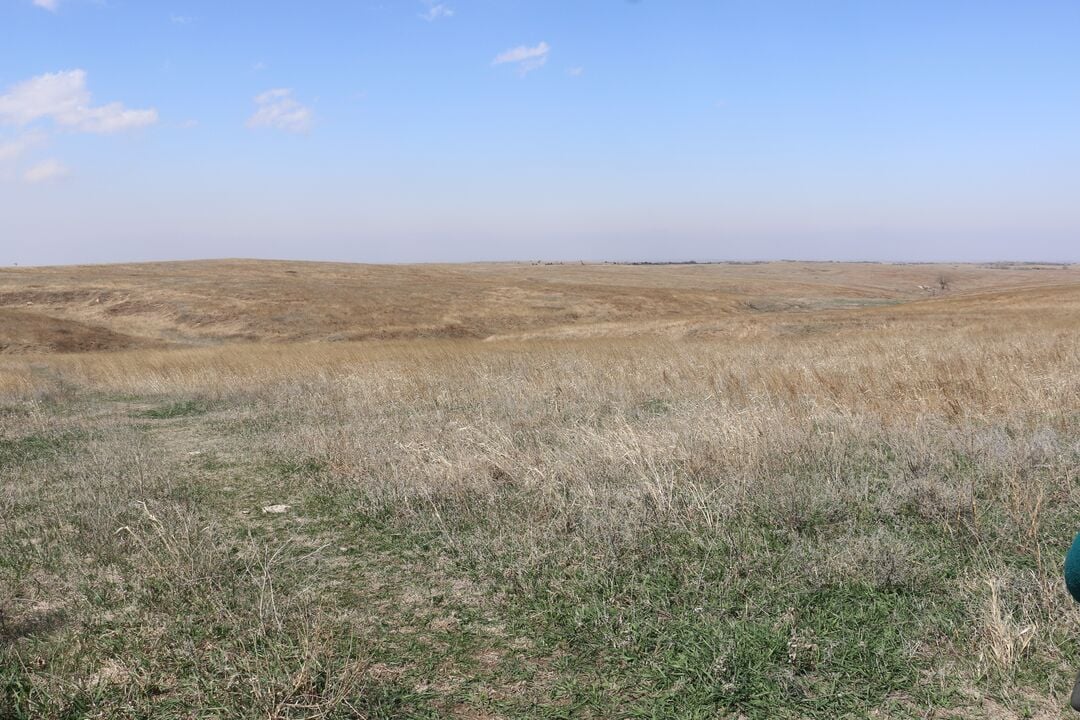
(299, 490)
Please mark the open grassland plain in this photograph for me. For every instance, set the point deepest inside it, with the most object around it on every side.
(285, 490)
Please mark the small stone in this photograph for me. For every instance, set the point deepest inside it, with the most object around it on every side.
(275, 509)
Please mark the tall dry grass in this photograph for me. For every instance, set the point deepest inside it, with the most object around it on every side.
(897, 369)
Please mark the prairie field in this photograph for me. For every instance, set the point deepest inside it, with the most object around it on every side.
(240, 489)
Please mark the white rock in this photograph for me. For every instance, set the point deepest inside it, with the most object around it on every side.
(275, 509)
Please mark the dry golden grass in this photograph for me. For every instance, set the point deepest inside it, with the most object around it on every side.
(779, 491)
(194, 303)
(989, 350)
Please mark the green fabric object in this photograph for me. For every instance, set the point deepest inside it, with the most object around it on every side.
(1072, 569)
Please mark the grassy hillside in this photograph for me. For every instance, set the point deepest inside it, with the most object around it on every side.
(194, 303)
(717, 491)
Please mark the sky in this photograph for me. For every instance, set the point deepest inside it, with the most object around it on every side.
(462, 130)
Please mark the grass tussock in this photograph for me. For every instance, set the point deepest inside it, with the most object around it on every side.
(179, 408)
(857, 519)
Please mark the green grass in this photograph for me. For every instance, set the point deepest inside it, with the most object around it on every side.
(687, 625)
(33, 448)
(656, 406)
(286, 468)
(178, 409)
(13, 411)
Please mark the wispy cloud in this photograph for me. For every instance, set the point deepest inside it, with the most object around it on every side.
(11, 150)
(525, 58)
(63, 98)
(45, 172)
(436, 11)
(278, 110)
(575, 71)
(50, 5)
(181, 19)
(58, 102)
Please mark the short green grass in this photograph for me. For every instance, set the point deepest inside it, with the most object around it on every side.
(32, 448)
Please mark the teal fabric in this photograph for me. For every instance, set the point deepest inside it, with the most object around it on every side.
(1072, 569)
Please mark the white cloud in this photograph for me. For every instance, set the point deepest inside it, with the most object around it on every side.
(437, 11)
(50, 5)
(63, 98)
(12, 149)
(273, 94)
(526, 58)
(575, 71)
(278, 109)
(522, 53)
(181, 19)
(46, 171)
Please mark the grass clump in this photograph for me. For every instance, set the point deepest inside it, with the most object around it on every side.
(32, 448)
(178, 409)
(286, 468)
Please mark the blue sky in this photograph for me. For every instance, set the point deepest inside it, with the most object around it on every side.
(406, 130)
